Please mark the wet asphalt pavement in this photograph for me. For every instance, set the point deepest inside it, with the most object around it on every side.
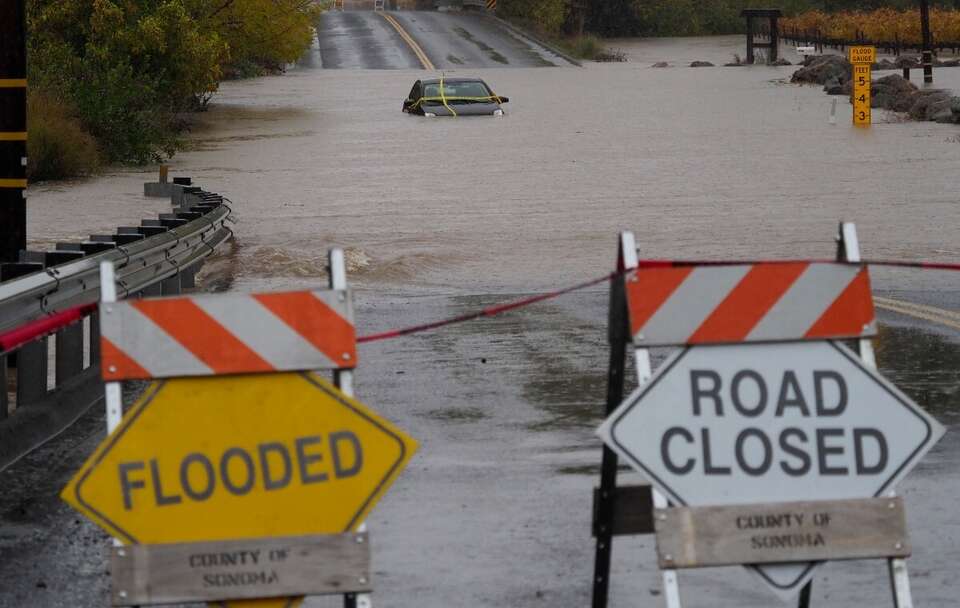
(364, 39)
(440, 218)
(494, 510)
(462, 40)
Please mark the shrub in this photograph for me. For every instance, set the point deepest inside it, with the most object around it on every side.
(57, 146)
(585, 47)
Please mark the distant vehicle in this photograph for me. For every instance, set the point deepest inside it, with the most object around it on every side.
(453, 97)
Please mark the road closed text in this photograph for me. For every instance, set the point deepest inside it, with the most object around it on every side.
(779, 426)
(268, 466)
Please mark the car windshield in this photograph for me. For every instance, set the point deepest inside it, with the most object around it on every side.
(458, 91)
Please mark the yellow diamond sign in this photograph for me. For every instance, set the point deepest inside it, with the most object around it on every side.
(233, 457)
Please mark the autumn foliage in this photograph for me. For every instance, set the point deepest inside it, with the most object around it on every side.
(883, 25)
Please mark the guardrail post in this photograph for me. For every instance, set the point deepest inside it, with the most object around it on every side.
(171, 286)
(69, 359)
(188, 277)
(4, 397)
(94, 339)
(32, 373)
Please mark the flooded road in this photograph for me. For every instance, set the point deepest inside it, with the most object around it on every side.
(442, 216)
(714, 162)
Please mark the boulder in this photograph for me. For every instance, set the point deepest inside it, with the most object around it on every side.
(955, 106)
(945, 117)
(907, 61)
(938, 108)
(894, 83)
(893, 92)
(660, 64)
(927, 103)
(701, 64)
(884, 64)
(823, 69)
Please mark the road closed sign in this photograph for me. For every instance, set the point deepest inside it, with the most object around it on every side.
(767, 423)
(237, 457)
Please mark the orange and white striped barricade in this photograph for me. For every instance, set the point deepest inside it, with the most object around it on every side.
(759, 313)
(238, 448)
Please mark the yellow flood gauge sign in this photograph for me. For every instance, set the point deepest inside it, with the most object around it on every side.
(235, 457)
(862, 58)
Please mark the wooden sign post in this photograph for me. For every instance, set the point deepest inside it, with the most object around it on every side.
(862, 58)
(775, 445)
(175, 573)
(237, 475)
(802, 531)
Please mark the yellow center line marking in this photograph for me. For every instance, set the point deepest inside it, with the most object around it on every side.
(13, 83)
(948, 318)
(421, 56)
(13, 136)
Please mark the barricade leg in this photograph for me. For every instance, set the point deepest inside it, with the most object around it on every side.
(900, 583)
(608, 469)
(848, 249)
(671, 586)
(32, 373)
(343, 379)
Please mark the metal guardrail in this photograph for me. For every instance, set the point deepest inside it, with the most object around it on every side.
(159, 257)
(139, 265)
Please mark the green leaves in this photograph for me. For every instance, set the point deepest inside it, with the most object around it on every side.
(129, 66)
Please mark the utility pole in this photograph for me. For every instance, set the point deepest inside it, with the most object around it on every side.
(13, 129)
(927, 42)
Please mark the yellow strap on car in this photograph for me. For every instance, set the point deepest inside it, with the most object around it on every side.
(443, 98)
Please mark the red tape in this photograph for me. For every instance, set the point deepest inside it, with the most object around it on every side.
(495, 310)
(16, 338)
(484, 312)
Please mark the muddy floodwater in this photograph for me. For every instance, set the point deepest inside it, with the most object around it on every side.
(441, 216)
(712, 162)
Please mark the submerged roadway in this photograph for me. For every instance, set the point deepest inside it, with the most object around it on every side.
(426, 39)
(443, 217)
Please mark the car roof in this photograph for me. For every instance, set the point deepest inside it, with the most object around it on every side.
(452, 80)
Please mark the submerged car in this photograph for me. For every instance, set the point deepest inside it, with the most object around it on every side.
(453, 97)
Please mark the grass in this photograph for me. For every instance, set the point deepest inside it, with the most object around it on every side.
(583, 47)
(57, 145)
